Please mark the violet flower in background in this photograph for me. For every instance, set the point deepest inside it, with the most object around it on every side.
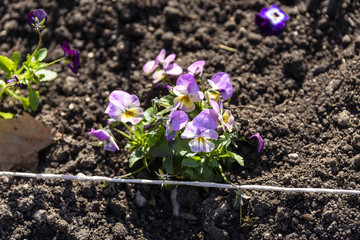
(109, 141)
(220, 82)
(72, 57)
(260, 141)
(201, 129)
(162, 66)
(177, 120)
(226, 118)
(271, 20)
(187, 92)
(37, 19)
(15, 82)
(196, 68)
(124, 107)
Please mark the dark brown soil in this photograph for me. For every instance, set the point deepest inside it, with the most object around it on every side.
(300, 90)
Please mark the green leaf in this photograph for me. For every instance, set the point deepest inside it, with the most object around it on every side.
(135, 156)
(237, 157)
(46, 75)
(16, 59)
(41, 54)
(189, 173)
(6, 64)
(213, 162)
(161, 149)
(167, 101)
(154, 136)
(34, 98)
(181, 147)
(6, 115)
(148, 114)
(168, 165)
(139, 131)
(25, 102)
(192, 162)
(222, 141)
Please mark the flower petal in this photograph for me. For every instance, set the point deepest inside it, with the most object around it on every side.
(196, 96)
(196, 68)
(110, 145)
(220, 77)
(186, 104)
(168, 60)
(189, 82)
(173, 69)
(149, 67)
(225, 89)
(178, 119)
(210, 133)
(180, 90)
(158, 75)
(190, 131)
(206, 119)
(100, 134)
(228, 119)
(214, 105)
(117, 98)
(200, 144)
(115, 112)
(160, 58)
(259, 139)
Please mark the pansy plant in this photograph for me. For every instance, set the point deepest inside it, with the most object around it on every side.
(188, 134)
(33, 70)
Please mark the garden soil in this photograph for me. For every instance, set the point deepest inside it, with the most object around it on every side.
(300, 90)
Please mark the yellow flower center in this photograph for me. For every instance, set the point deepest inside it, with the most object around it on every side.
(185, 99)
(130, 113)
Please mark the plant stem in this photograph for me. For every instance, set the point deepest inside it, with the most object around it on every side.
(51, 63)
(223, 175)
(127, 126)
(124, 134)
(137, 170)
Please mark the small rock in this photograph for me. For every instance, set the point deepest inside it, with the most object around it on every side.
(5, 212)
(254, 37)
(40, 216)
(172, 12)
(293, 156)
(344, 119)
(346, 39)
(356, 161)
(26, 204)
(11, 25)
(119, 230)
(357, 42)
(356, 141)
(333, 85)
(140, 199)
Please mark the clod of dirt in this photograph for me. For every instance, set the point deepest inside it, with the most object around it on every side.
(344, 119)
(295, 64)
(356, 161)
(140, 199)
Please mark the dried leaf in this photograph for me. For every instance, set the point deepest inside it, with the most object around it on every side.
(20, 140)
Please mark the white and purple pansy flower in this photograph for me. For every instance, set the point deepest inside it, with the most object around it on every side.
(187, 92)
(177, 120)
(104, 135)
(271, 20)
(196, 68)
(220, 82)
(201, 130)
(124, 107)
(162, 66)
(226, 118)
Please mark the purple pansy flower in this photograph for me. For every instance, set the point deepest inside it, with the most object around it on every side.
(271, 20)
(162, 66)
(220, 82)
(15, 82)
(201, 129)
(260, 141)
(124, 107)
(187, 92)
(104, 135)
(37, 19)
(196, 68)
(177, 120)
(72, 57)
(226, 118)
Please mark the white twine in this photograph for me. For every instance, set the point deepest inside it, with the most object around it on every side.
(83, 177)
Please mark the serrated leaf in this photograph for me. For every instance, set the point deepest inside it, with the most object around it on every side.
(6, 64)
(155, 136)
(6, 115)
(237, 157)
(46, 75)
(16, 59)
(148, 114)
(135, 156)
(34, 98)
(192, 162)
(41, 54)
